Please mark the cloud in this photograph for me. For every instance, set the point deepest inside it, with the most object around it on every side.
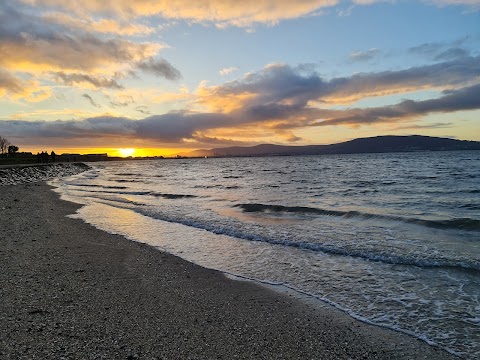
(18, 89)
(104, 26)
(30, 44)
(421, 127)
(364, 55)
(228, 70)
(160, 67)
(218, 141)
(95, 81)
(181, 126)
(428, 49)
(122, 100)
(467, 98)
(279, 85)
(59, 52)
(40, 114)
(89, 98)
(103, 126)
(452, 54)
(171, 127)
(475, 4)
(143, 109)
(10, 83)
(51, 46)
(446, 51)
(221, 12)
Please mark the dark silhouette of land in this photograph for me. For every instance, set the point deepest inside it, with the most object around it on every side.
(378, 144)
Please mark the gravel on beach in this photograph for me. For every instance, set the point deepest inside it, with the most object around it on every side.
(21, 174)
(71, 291)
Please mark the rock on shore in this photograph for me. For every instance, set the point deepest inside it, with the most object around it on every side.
(28, 174)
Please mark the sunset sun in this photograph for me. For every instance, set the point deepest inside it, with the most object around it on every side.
(126, 152)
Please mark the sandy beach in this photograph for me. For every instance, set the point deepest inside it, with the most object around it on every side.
(71, 291)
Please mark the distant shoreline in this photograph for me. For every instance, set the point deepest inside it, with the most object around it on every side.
(116, 159)
(374, 145)
(378, 144)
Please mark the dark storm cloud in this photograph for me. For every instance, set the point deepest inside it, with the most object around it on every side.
(161, 68)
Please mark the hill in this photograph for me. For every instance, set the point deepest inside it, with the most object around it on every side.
(378, 144)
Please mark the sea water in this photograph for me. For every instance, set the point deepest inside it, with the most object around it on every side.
(391, 239)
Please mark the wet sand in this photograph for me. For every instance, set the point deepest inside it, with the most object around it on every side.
(70, 291)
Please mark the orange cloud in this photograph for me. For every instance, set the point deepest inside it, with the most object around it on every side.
(212, 99)
(106, 26)
(226, 12)
(33, 54)
(18, 89)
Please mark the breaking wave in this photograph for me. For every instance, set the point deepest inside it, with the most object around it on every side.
(459, 223)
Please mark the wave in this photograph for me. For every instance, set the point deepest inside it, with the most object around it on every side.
(419, 260)
(99, 186)
(459, 223)
(115, 192)
(128, 174)
(424, 260)
(172, 196)
(128, 181)
(470, 206)
(140, 193)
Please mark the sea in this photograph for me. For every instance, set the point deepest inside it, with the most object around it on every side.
(390, 239)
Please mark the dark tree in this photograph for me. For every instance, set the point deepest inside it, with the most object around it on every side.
(12, 149)
(4, 144)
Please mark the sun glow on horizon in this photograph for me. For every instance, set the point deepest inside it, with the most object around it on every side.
(126, 152)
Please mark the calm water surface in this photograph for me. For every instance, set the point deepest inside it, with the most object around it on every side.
(392, 239)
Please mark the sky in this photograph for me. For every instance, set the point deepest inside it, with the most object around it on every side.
(163, 77)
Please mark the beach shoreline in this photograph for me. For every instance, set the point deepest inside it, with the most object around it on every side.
(70, 290)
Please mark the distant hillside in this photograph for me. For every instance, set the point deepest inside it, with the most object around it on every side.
(378, 144)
